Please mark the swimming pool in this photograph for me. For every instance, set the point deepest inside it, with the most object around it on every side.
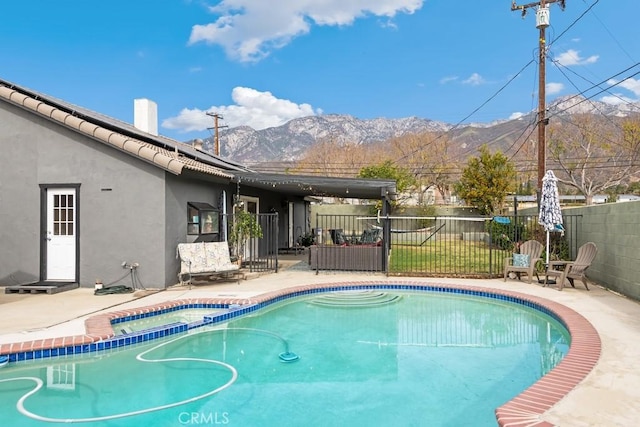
(367, 357)
(187, 315)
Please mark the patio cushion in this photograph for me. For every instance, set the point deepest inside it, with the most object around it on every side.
(193, 258)
(205, 257)
(371, 237)
(217, 257)
(521, 260)
(524, 262)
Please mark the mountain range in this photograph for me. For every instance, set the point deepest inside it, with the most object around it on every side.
(290, 141)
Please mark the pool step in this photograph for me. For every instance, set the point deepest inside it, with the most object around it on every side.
(356, 299)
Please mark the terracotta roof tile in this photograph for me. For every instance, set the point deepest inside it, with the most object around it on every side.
(159, 156)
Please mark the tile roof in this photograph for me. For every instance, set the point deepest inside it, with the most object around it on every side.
(175, 157)
(155, 150)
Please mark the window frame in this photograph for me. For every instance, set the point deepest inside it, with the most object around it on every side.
(200, 214)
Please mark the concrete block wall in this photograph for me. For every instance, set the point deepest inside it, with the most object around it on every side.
(615, 229)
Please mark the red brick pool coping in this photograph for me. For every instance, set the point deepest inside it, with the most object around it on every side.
(526, 409)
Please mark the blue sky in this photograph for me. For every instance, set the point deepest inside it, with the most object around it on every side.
(262, 63)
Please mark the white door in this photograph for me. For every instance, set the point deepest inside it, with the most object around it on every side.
(61, 234)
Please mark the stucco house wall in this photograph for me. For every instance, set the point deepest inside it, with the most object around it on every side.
(19, 209)
(179, 192)
(117, 198)
(128, 210)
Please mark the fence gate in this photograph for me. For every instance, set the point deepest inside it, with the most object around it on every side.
(263, 251)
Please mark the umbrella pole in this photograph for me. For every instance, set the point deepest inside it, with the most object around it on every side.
(547, 263)
(546, 267)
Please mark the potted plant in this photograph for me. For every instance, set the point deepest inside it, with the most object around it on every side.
(306, 240)
(244, 227)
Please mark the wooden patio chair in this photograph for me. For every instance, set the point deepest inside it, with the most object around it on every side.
(572, 270)
(524, 262)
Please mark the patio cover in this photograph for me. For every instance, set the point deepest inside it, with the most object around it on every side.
(313, 185)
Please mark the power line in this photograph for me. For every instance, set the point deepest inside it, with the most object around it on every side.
(495, 94)
(600, 161)
(561, 66)
(610, 34)
(601, 91)
(542, 22)
(513, 78)
(574, 22)
(524, 140)
(460, 122)
(595, 107)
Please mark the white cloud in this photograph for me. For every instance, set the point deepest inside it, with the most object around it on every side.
(253, 108)
(448, 79)
(630, 84)
(474, 80)
(248, 30)
(389, 23)
(554, 88)
(572, 57)
(516, 115)
(616, 99)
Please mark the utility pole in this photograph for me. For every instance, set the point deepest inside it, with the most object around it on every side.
(216, 128)
(542, 22)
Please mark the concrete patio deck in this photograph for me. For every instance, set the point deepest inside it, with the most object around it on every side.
(608, 396)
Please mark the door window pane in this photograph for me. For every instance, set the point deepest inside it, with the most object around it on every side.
(63, 215)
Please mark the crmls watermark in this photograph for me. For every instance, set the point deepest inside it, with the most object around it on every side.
(203, 418)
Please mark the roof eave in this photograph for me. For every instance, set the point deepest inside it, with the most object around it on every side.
(144, 150)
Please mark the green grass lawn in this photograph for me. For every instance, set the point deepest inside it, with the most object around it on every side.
(447, 257)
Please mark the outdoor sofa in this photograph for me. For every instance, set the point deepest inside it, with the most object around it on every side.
(363, 253)
(207, 259)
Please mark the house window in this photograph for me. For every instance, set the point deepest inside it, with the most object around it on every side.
(202, 218)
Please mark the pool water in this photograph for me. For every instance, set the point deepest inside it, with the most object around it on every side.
(365, 358)
(188, 315)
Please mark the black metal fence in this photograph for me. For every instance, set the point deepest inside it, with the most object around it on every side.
(258, 253)
(432, 246)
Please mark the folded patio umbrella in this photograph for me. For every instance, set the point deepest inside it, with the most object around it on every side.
(550, 215)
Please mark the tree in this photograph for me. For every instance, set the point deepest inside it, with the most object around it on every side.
(594, 154)
(331, 157)
(387, 170)
(486, 181)
(321, 159)
(426, 156)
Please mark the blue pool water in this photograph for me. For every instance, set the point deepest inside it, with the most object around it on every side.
(369, 358)
(188, 315)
